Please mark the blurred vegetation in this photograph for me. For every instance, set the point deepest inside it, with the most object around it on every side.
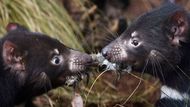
(87, 25)
(47, 16)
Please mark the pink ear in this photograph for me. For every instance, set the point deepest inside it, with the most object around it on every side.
(16, 26)
(11, 27)
(8, 51)
(180, 17)
(11, 56)
(178, 25)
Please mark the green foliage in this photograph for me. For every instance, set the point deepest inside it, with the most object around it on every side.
(46, 16)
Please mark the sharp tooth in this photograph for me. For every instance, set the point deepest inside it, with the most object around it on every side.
(82, 76)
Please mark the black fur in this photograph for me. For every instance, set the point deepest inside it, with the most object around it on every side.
(32, 63)
(161, 47)
(171, 103)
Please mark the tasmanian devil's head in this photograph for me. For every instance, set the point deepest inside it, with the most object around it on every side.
(38, 60)
(154, 38)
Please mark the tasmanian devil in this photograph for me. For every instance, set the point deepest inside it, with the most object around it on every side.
(158, 42)
(32, 63)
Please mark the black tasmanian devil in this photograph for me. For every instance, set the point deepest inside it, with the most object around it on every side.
(158, 42)
(32, 63)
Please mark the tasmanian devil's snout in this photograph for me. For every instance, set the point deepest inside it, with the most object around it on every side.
(78, 62)
(115, 51)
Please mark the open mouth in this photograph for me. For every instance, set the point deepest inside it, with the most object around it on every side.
(123, 67)
(79, 72)
(107, 65)
(99, 60)
(73, 80)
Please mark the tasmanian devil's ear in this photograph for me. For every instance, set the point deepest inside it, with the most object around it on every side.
(178, 27)
(15, 26)
(12, 57)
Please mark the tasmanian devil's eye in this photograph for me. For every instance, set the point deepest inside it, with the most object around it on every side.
(135, 42)
(57, 60)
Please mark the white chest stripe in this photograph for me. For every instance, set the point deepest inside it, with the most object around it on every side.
(168, 92)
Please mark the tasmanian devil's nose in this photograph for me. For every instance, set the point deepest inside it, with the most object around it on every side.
(104, 53)
(89, 60)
